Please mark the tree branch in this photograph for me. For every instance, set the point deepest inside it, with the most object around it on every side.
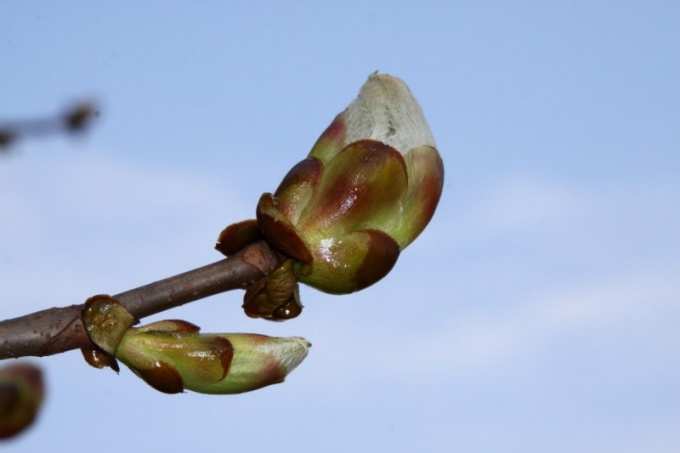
(57, 330)
(75, 119)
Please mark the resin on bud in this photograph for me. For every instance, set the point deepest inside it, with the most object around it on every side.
(106, 321)
(21, 395)
(368, 188)
(172, 356)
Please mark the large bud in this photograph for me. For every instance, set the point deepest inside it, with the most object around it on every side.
(368, 188)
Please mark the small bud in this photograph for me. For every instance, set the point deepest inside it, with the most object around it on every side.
(171, 356)
(21, 395)
(367, 189)
(105, 321)
(276, 297)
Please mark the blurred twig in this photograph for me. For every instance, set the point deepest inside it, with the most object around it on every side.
(21, 384)
(75, 119)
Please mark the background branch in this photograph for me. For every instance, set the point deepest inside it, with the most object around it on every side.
(57, 330)
(75, 119)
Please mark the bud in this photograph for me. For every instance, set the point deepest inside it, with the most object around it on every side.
(105, 321)
(21, 395)
(275, 297)
(171, 356)
(368, 188)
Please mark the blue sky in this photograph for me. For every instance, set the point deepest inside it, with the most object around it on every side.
(537, 312)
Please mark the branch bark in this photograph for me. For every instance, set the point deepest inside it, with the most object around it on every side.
(57, 330)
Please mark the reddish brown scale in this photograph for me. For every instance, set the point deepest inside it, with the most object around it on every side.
(383, 252)
(238, 235)
(429, 187)
(305, 173)
(333, 135)
(225, 351)
(162, 377)
(366, 176)
(280, 232)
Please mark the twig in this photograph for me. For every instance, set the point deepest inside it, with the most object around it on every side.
(75, 119)
(57, 330)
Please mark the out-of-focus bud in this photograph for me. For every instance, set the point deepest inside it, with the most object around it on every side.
(368, 188)
(172, 356)
(79, 116)
(21, 395)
